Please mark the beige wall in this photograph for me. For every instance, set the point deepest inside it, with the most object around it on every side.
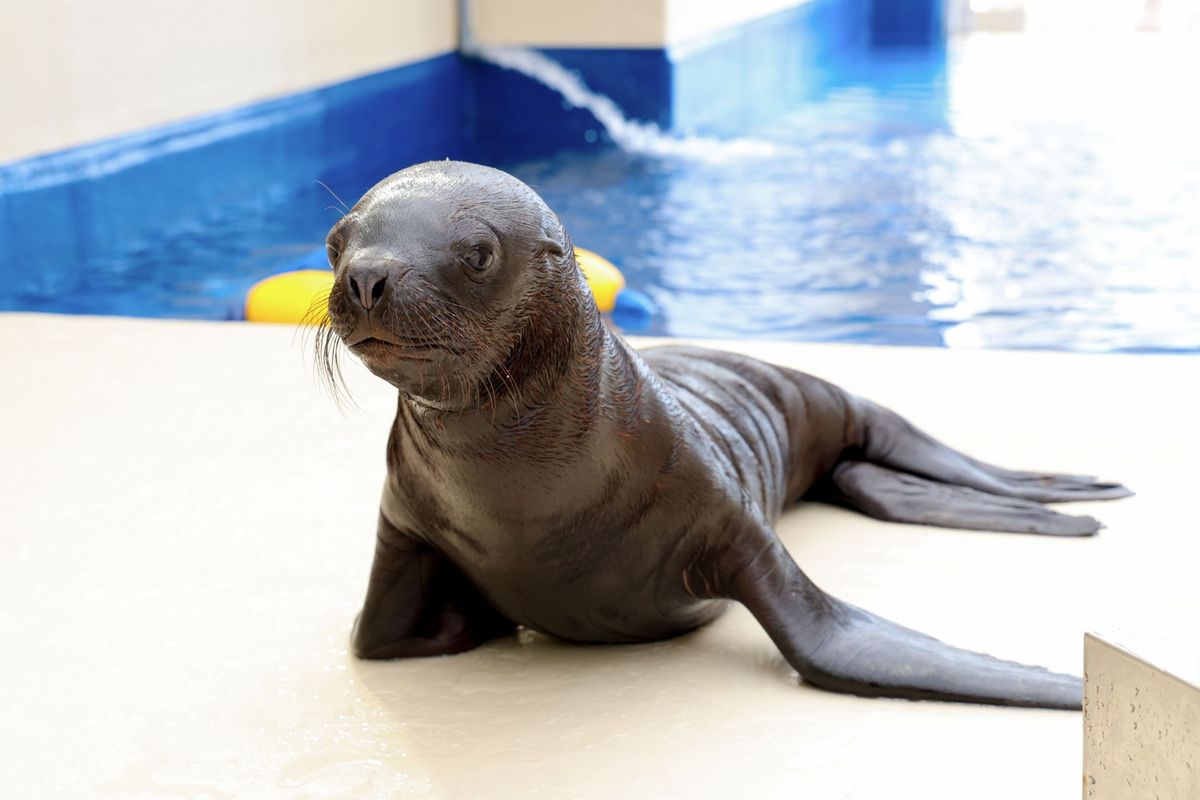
(72, 71)
(569, 23)
(610, 23)
(690, 19)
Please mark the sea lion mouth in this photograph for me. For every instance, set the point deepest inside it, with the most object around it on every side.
(374, 343)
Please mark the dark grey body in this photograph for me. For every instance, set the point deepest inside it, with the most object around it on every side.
(637, 493)
(542, 473)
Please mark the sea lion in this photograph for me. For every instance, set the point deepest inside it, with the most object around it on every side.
(542, 473)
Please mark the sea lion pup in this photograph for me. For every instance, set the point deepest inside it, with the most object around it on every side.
(542, 473)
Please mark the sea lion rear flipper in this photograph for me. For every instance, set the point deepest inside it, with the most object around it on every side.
(894, 496)
(419, 604)
(840, 647)
(892, 441)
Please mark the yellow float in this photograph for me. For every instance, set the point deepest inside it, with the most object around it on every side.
(605, 280)
(291, 296)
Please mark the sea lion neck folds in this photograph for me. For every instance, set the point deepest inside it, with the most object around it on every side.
(541, 473)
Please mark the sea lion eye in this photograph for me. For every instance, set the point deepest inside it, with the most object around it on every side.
(335, 243)
(478, 257)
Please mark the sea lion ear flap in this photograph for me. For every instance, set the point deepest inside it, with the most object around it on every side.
(547, 247)
(554, 242)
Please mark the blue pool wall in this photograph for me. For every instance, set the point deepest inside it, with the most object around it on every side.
(91, 205)
(907, 23)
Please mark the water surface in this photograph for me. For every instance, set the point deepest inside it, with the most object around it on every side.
(1027, 191)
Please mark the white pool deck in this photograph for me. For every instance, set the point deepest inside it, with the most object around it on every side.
(187, 523)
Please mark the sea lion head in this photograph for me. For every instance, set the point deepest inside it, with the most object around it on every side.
(449, 279)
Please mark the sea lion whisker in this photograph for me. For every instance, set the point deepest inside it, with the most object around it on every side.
(328, 368)
(445, 298)
(422, 313)
(452, 325)
(333, 193)
(458, 329)
(439, 314)
(404, 308)
(328, 344)
(317, 316)
(514, 392)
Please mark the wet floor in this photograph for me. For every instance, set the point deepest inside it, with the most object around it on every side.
(188, 523)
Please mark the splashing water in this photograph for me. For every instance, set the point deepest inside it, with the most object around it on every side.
(644, 138)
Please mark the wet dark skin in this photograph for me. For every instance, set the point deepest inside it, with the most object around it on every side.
(542, 473)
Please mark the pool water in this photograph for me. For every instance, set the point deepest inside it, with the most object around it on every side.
(1026, 191)
(1021, 191)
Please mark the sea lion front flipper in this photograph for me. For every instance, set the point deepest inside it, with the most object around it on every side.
(419, 604)
(894, 496)
(840, 647)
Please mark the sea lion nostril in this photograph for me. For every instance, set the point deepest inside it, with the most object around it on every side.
(367, 285)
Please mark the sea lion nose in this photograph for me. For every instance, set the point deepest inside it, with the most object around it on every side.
(367, 283)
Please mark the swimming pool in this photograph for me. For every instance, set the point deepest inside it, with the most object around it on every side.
(1000, 196)
(1003, 197)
